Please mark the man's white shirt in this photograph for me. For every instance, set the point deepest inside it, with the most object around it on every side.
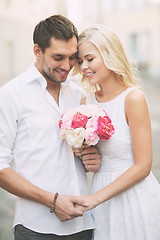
(30, 143)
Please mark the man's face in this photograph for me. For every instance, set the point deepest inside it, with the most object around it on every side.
(58, 59)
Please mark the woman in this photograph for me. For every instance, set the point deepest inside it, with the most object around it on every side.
(126, 195)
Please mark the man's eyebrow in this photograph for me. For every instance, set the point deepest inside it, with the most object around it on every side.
(57, 55)
(62, 55)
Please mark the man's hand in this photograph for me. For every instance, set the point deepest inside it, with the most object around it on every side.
(90, 156)
(65, 207)
(78, 151)
(91, 159)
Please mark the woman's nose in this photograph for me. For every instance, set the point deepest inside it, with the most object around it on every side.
(84, 66)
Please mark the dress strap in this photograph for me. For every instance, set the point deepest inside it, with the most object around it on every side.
(128, 90)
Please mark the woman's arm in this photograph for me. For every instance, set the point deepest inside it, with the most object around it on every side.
(138, 119)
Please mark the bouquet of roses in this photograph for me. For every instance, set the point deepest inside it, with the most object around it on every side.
(85, 123)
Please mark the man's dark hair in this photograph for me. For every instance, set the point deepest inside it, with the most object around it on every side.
(56, 26)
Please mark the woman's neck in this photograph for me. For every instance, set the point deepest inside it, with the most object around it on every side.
(110, 89)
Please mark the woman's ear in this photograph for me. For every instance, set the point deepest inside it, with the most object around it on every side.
(37, 51)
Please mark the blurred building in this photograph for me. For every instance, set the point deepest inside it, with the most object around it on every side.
(137, 23)
(17, 21)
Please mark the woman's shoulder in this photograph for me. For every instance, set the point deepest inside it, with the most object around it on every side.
(136, 103)
(135, 96)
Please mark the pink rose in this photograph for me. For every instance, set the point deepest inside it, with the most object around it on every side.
(105, 128)
(85, 123)
(79, 120)
(92, 123)
(91, 137)
(60, 123)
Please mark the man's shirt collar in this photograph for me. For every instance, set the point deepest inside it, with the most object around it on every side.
(35, 75)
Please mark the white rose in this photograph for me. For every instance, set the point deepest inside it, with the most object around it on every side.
(75, 137)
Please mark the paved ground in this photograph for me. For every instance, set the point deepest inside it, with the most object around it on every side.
(153, 94)
(6, 215)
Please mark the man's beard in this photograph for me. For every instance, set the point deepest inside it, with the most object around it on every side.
(47, 73)
(51, 77)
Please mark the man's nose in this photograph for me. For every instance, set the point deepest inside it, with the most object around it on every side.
(66, 64)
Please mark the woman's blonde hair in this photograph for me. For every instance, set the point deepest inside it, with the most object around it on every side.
(112, 52)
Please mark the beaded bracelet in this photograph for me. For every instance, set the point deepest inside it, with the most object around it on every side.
(54, 201)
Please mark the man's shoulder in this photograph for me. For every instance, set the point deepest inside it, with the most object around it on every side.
(13, 85)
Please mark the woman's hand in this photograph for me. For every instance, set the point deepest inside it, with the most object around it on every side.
(91, 201)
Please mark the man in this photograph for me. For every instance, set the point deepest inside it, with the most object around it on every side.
(35, 163)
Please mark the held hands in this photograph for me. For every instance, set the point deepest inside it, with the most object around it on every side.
(90, 157)
(91, 200)
(65, 207)
(69, 207)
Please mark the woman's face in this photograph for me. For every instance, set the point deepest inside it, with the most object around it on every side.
(91, 63)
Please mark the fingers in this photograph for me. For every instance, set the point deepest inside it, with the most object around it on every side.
(76, 212)
(92, 165)
(91, 153)
(84, 146)
(82, 208)
(91, 200)
(65, 207)
(90, 150)
(91, 159)
(78, 151)
(88, 157)
(92, 168)
(80, 201)
(91, 162)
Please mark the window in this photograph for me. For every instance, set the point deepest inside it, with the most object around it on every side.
(8, 3)
(139, 48)
(133, 48)
(11, 69)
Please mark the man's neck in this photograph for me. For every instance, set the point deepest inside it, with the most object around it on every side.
(54, 91)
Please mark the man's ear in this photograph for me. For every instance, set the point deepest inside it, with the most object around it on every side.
(37, 51)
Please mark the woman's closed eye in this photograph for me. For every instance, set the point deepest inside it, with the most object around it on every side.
(90, 59)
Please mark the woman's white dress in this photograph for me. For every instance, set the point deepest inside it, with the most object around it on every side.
(135, 213)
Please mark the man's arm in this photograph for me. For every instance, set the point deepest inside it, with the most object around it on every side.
(19, 186)
(10, 180)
